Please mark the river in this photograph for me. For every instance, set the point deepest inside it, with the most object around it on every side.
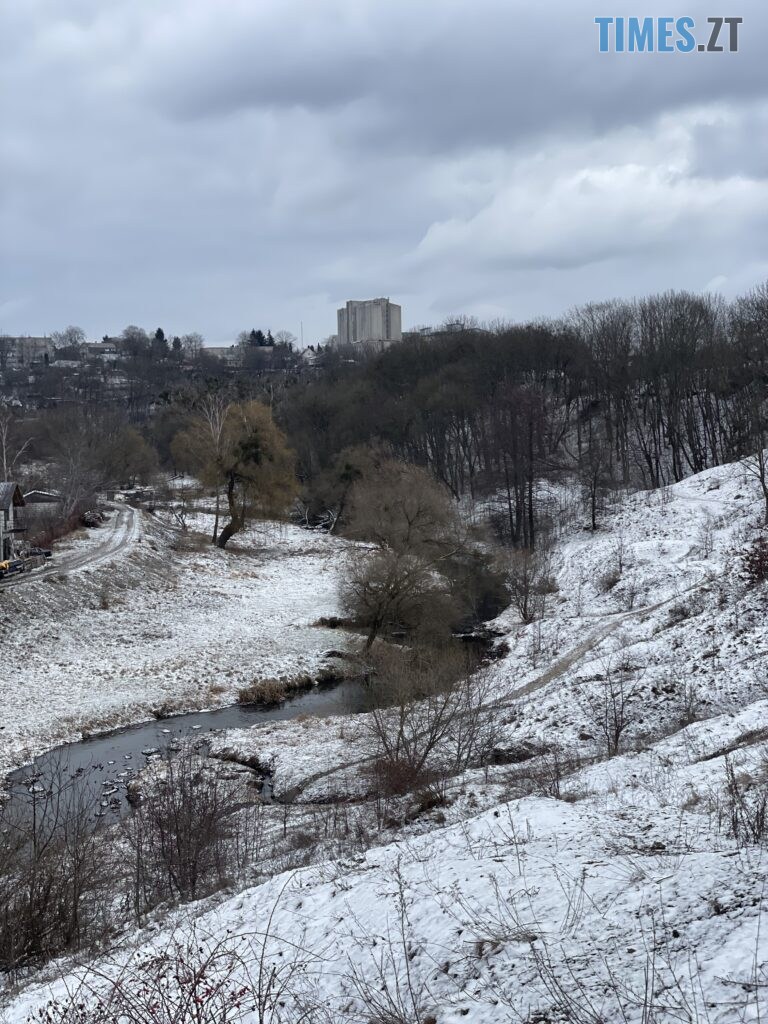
(99, 769)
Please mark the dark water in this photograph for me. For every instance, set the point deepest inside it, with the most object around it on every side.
(99, 770)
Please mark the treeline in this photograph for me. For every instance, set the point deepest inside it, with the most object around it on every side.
(617, 394)
(622, 393)
(145, 370)
(73, 454)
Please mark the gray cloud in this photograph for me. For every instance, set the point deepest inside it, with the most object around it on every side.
(210, 166)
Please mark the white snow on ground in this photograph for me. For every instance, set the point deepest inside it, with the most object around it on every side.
(297, 751)
(678, 630)
(569, 886)
(153, 628)
(694, 643)
(530, 904)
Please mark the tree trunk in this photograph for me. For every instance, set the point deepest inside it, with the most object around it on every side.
(233, 526)
(235, 523)
(512, 529)
(763, 477)
(373, 632)
(215, 536)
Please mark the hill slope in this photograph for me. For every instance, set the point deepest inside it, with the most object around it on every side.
(565, 884)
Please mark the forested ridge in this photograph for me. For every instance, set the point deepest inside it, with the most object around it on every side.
(622, 394)
(615, 395)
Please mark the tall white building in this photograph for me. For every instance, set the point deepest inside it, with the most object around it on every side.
(16, 353)
(370, 322)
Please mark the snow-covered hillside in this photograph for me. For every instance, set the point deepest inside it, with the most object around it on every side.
(693, 644)
(560, 884)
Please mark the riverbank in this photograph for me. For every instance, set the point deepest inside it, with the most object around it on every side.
(110, 764)
(163, 627)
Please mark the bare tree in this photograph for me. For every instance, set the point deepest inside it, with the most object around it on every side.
(394, 592)
(476, 731)
(594, 465)
(528, 582)
(192, 345)
(757, 464)
(55, 875)
(706, 536)
(613, 709)
(419, 696)
(71, 337)
(213, 410)
(420, 575)
(12, 447)
(402, 508)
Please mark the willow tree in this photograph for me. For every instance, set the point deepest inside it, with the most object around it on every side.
(237, 448)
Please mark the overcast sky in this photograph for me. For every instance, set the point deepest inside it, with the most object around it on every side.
(215, 165)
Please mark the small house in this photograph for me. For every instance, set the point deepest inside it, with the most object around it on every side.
(42, 512)
(11, 499)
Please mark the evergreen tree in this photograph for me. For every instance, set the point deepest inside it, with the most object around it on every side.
(159, 345)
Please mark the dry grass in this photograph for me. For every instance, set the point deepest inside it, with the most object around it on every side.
(263, 691)
(192, 541)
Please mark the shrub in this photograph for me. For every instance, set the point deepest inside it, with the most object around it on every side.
(679, 612)
(263, 691)
(54, 876)
(746, 807)
(431, 717)
(755, 562)
(195, 980)
(182, 834)
(608, 580)
(528, 580)
(396, 776)
(391, 592)
(612, 710)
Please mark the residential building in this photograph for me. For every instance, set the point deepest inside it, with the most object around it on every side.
(42, 510)
(22, 352)
(369, 322)
(232, 355)
(99, 351)
(11, 500)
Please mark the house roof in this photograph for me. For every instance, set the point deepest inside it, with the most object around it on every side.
(41, 498)
(10, 494)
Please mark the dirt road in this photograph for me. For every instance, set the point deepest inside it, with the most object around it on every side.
(120, 531)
